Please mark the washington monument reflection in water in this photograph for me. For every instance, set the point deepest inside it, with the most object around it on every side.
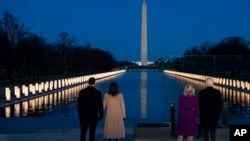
(143, 94)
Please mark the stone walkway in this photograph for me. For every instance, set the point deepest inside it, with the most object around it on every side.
(67, 129)
(72, 134)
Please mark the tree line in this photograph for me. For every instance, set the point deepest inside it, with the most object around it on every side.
(228, 58)
(27, 55)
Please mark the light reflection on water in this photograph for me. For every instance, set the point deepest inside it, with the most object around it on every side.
(238, 101)
(143, 94)
(46, 104)
(146, 94)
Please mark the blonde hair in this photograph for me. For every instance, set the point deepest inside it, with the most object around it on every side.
(189, 90)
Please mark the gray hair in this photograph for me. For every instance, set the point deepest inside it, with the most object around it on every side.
(209, 81)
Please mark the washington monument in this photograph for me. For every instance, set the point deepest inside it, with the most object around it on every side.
(144, 35)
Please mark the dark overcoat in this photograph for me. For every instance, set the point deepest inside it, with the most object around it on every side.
(89, 103)
(210, 104)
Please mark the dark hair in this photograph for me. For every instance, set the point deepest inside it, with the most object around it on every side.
(91, 81)
(113, 89)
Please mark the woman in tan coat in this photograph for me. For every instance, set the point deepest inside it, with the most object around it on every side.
(114, 103)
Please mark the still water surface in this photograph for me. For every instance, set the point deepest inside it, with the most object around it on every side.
(147, 95)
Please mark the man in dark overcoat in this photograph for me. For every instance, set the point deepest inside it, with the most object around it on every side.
(90, 109)
(210, 104)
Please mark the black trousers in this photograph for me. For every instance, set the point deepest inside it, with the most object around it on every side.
(211, 132)
(209, 129)
(91, 125)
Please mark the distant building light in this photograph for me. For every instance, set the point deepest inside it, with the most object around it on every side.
(139, 62)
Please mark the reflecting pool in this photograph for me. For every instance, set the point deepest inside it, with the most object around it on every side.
(147, 95)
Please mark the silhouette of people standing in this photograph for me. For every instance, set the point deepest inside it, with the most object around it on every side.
(90, 109)
(188, 113)
(115, 115)
(210, 103)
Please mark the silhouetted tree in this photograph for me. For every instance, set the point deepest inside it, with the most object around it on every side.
(231, 46)
(65, 48)
(103, 60)
(25, 54)
(230, 56)
(12, 32)
(34, 55)
(199, 50)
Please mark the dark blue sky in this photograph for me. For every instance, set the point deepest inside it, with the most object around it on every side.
(115, 25)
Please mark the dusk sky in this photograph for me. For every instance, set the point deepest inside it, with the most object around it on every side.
(115, 25)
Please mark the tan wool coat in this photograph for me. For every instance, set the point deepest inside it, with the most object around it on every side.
(114, 125)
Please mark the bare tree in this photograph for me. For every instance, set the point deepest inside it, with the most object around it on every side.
(65, 45)
(12, 33)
